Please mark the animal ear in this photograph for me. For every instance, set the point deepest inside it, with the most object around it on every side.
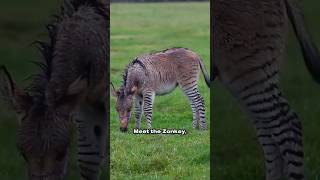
(78, 86)
(18, 99)
(114, 92)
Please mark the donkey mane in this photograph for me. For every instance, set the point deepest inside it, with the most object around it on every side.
(41, 79)
(46, 49)
(165, 50)
(125, 75)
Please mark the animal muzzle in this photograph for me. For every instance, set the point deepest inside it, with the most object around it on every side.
(124, 125)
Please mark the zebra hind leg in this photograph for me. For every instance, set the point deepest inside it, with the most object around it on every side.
(201, 112)
(198, 108)
(195, 116)
(279, 132)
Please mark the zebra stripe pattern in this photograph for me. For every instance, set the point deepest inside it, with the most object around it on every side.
(148, 99)
(92, 141)
(278, 129)
(138, 110)
(247, 64)
(197, 104)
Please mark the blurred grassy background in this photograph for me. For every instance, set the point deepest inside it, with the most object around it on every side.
(237, 155)
(141, 28)
(21, 23)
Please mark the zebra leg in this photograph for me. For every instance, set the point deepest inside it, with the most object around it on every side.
(138, 110)
(287, 132)
(201, 111)
(148, 99)
(274, 162)
(197, 105)
(278, 129)
(92, 140)
(195, 115)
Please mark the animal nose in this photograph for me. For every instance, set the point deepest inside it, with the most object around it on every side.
(123, 129)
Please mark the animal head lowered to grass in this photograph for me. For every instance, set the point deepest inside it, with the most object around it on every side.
(124, 104)
(43, 136)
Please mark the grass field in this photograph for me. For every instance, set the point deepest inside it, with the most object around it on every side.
(237, 155)
(142, 28)
(21, 23)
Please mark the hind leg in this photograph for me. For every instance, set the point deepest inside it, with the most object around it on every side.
(197, 105)
(195, 115)
(278, 128)
(276, 119)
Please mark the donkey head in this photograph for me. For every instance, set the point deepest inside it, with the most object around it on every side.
(124, 105)
(44, 133)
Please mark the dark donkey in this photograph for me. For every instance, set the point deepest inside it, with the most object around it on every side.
(71, 83)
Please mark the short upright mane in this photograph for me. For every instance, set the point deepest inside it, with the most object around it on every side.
(125, 75)
(165, 50)
(41, 79)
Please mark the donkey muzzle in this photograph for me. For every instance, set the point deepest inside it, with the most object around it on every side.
(124, 125)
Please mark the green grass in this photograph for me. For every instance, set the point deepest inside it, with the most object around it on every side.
(141, 28)
(21, 23)
(237, 155)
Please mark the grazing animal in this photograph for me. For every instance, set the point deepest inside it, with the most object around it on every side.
(158, 74)
(249, 39)
(71, 85)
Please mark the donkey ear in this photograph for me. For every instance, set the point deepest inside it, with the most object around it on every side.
(114, 92)
(16, 98)
(78, 86)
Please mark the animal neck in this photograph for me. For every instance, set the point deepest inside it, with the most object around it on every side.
(135, 77)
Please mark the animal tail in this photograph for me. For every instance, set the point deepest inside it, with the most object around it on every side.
(309, 49)
(204, 72)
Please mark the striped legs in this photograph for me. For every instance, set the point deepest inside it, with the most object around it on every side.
(92, 140)
(148, 98)
(138, 110)
(197, 105)
(278, 129)
(195, 115)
